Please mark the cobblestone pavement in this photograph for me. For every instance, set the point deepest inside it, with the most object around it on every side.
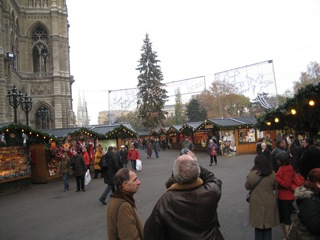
(45, 212)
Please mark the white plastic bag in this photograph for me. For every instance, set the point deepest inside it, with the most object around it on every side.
(138, 165)
(87, 178)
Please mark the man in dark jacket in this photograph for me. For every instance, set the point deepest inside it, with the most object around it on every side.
(280, 147)
(310, 158)
(188, 210)
(110, 170)
(79, 168)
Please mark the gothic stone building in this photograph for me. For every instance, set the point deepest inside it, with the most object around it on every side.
(34, 57)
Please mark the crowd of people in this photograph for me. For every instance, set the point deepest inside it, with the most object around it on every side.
(273, 200)
(188, 209)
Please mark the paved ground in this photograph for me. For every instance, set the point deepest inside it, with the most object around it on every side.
(45, 212)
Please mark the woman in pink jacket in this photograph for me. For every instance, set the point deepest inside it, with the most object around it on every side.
(133, 155)
(284, 178)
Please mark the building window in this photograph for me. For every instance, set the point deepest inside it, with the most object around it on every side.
(40, 50)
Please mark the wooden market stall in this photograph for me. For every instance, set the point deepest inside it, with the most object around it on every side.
(18, 153)
(189, 130)
(234, 135)
(173, 135)
(115, 135)
(68, 139)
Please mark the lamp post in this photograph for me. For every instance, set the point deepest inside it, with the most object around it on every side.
(15, 98)
(44, 115)
(26, 106)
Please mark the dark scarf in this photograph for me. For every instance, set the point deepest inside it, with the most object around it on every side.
(126, 196)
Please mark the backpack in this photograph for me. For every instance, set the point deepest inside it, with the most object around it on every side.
(297, 181)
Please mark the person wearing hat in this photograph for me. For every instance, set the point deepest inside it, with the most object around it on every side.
(284, 178)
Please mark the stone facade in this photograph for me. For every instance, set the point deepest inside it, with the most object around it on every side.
(37, 33)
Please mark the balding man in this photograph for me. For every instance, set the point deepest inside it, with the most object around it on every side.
(188, 209)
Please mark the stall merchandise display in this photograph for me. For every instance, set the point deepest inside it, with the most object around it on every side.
(14, 162)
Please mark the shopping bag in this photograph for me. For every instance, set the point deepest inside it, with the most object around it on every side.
(213, 152)
(138, 165)
(87, 178)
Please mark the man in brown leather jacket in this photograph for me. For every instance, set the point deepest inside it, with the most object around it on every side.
(188, 210)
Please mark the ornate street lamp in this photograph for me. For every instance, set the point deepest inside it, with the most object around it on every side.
(44, 115)
(26, 106)
(15, 98)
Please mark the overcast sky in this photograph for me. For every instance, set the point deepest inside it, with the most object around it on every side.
(191, 38)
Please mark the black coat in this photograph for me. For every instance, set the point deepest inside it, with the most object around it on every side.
(310, 159)
(267, 153)
(309, 215)
(112, 167)
(274, 159)
(78, 165)
(124, 155)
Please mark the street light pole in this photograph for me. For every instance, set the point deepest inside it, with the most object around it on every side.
(26, 106)
(15, 98)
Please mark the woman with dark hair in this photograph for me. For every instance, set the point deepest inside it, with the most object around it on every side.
(284, 177)
(295, 151)
(307, 223)
(263, 209)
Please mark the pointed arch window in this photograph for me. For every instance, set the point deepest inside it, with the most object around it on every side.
(43, 118)
(40, 50)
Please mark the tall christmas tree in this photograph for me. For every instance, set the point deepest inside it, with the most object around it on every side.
(152, 95)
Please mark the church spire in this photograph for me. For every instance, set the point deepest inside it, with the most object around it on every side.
(82, 112)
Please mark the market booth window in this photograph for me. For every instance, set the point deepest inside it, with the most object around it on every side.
(247, 135)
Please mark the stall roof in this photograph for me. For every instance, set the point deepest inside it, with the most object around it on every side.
(105, 129)
(61, 132)
(143, 134)
(233, 122)
(175, 128)
(193, 124)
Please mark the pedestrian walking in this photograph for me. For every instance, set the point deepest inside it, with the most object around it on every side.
(149, 149)
(156, 147)
(112, 166)
(212, 149)
(133, 155)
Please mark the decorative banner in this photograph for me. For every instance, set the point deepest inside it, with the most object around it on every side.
(126, 99)
(256, 81)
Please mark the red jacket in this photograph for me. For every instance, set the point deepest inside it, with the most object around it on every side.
(284, 178)
(133, 154)
(86, 158)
